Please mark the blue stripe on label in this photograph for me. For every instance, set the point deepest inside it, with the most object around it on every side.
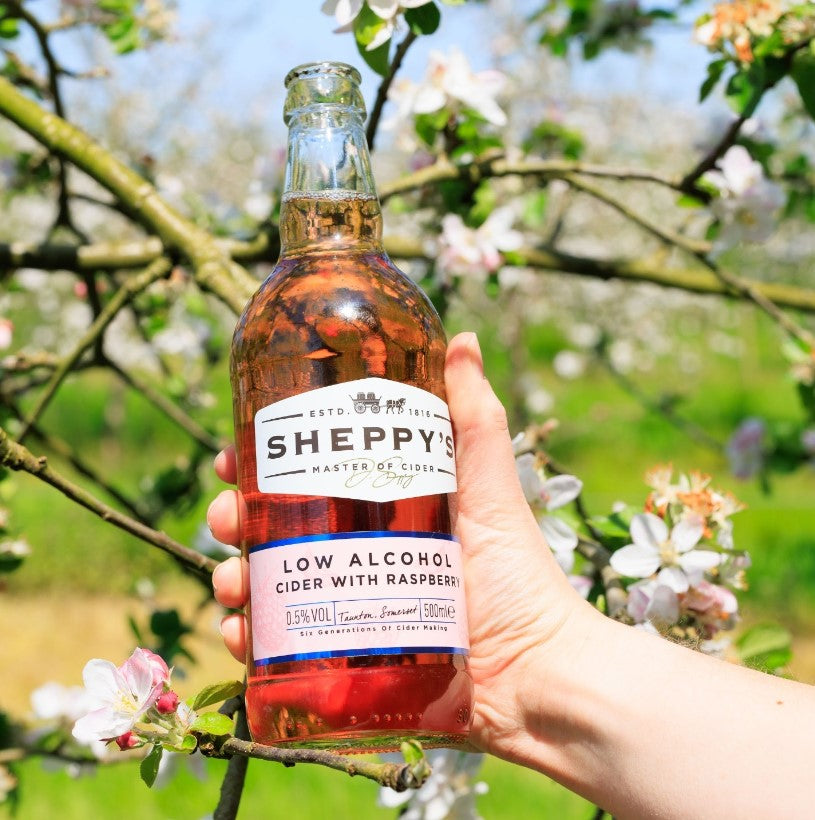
(353, 653)
(340, 536)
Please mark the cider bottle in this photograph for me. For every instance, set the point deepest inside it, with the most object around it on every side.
(357, 632)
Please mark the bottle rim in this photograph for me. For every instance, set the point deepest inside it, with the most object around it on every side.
(307, 70)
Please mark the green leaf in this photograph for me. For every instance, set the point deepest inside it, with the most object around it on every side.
(483, 205)
(9, 28)
(424, 19)
(766, 646)
(803, 74)
(688, 201)
(744, 89)
(213, 723)
(149, 765)
(412, 751)
(366, 26)
(215, 694)
(714, 73)
(428, 126)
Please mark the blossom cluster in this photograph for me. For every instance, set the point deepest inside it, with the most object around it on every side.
(682, 554)
(546, 496)
(680, 565)
(449, 792)
(476, 252)
(747, 204)
(389, 11)
(132, 705)
(739, 24)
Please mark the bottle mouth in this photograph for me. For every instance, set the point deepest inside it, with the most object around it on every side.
(311, 70)
(318, 85)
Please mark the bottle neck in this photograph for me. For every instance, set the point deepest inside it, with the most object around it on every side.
(329, 196)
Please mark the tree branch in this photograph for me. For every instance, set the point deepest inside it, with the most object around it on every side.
(213, 269)
(443, 170)
(126, 292)
(396, 776)
(16, 457)
(384, 87)
(633, 270)
(235, 777)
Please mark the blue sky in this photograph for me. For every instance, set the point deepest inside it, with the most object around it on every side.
(242, 50)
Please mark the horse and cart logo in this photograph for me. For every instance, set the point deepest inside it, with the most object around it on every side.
(366, 401)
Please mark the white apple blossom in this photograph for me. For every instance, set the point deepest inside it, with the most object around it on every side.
(346, 11)
(477, 252)
(569, 364)
(747, 203)
(650, 602)
(551, 494)
(449, 82)
(671, 554)
(448, 794)
(122, 695)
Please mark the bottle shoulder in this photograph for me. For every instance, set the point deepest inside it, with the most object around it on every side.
(356, 288)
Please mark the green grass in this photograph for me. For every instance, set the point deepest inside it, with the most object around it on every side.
(271, 791)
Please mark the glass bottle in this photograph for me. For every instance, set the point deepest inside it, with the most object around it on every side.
(357, 634)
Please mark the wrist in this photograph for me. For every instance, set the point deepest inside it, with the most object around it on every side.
(569, 717)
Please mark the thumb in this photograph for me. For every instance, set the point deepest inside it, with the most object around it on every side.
(489, 489)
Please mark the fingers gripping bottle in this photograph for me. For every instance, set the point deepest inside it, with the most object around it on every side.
(357, 622)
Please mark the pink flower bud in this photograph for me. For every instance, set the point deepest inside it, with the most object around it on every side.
(127, 741)
(167, 703)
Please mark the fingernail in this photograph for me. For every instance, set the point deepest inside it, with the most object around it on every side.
(475, 347)
(221, 625)
(215, 577)
(209, 512)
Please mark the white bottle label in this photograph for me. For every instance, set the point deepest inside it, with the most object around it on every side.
(370, 439)
(357, 593)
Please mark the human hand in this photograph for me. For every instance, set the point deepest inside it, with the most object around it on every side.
(521, 609)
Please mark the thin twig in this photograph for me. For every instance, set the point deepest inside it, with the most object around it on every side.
(63, 217)
(443, 170)
(65, 451)
(708, 162)
(16, 457)
(661, 408)
(694, 246)
(169, 408)
(128, 291)
(384, 87)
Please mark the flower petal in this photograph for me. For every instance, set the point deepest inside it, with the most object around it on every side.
(686, 534)
(559, 535)
(674, 578)
(529, 476)
(648, 530)
(664, 607)
(635, 561)
(102, 724)
(560, 490)
(101, 679)
(697, 562)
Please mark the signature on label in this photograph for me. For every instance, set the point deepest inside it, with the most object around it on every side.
(379, 472)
